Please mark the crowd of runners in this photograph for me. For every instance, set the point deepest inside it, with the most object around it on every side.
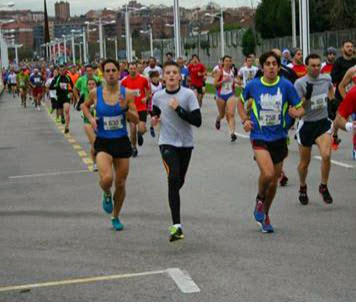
(277, 97)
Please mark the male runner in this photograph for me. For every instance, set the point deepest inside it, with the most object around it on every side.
(37, 82)
(62, 84)
(327, 66)
(297, 64)
(176, 108)
(139, 86)
(342, 64)
(273, 97)
(197, 73)
(23, 81)
(224, 81)
(112, 145)
(247, 72)
(12, 81)
(152, 66)
(314, 127)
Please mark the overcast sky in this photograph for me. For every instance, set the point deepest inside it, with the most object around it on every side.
(78, 7)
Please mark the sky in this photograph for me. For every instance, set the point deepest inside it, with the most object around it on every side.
(78, 7)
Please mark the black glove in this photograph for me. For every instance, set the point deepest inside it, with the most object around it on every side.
(309, 92)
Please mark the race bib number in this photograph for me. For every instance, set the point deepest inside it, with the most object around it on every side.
(270, 118)
(63, 86)
(318, 102)
(22, 83)
(227, 86)
(37, 80)
(136, 93)
(52, 94)
(113, 123)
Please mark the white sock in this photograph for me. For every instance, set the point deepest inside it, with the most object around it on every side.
(178, 226)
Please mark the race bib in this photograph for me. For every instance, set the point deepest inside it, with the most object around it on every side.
(112, 123)
(63, 86)
(52, 94)
(318, 102)
(22, 83)
(227, 86)
(270, 118)
(37, 80)
(136, 93)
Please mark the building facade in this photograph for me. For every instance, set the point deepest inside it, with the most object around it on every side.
(62, 10)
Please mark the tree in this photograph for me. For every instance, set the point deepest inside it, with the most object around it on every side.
(248, 42)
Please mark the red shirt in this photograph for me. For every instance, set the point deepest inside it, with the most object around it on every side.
(139, 85)
(194, 69)
(300, 70)
(348, 105)
(327, 68)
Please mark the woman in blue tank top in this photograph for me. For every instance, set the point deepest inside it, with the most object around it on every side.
(112, 146)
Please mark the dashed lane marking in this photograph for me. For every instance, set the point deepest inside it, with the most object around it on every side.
(82, 154)
(337, 163)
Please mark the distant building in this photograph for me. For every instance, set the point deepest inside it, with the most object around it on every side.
(62, 10)
(22, 32)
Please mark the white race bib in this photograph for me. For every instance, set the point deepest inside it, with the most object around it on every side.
(63, 86)
(318, 102)
(269, 118)
(112, 123)
(52, 94)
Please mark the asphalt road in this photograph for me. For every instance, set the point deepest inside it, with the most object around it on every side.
(53, 227)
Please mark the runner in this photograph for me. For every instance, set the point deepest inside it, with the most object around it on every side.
(139, 86)
(342, 64)
(156, 85)
(23, 81)
(328, 65)
(184, 72)
(224, 82)
(247, 72)
(152, 66)
(176, 108)
(74, 76)
(12, 81)
(62, 83)
(348, 81)
(314, 127)
(88, 129)
(112, 145)
(53, 94)
(272, 97)
(37, 82)
(297, 64)
(347, 108)
(197, 73)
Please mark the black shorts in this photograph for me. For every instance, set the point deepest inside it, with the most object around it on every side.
(61, 102)
(116, 147)
(142, 115)
(309, 131)
(198, 89)
(277, 149)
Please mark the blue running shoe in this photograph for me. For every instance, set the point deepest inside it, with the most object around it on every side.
(259, 211)
(116, 224)
(107, 203)
(266, 226)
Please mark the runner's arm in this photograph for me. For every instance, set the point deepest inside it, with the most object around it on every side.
(131, 114)
(346, 81)
(217, 76)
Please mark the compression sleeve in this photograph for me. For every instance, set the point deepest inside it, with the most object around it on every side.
(194, 117)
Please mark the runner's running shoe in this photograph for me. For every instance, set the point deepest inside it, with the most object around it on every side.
(266, 225)
(259, 212)
(116, 224)
(107, 203)
(139, 139)
(176, 233)
(303, 196)
(323, 190)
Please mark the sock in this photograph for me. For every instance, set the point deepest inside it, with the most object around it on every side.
(178, 226)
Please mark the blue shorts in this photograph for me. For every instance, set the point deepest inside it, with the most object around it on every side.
(224, 97)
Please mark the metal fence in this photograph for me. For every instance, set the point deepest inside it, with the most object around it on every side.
(210, 53)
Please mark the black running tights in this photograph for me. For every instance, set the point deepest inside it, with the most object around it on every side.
(176, 162)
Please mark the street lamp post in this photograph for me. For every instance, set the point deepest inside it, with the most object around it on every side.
(222, 32)
(116, 49)
(65, 48)
(294, 31)
(101, 39)
(304, 27)
(85, 51)
(177, 40)
(73, 47)
(127, 35)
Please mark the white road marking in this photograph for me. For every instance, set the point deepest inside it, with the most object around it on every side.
(183, 280)
(79, 281)
(338, 163)
(48, 174)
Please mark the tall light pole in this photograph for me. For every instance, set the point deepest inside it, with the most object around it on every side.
(85, 46)
(127, 35)
(304, 27)
(101, 39)
(80, 52)
(176, 22)
(73, 47)
(149, 31)
(222, 38)
(116, 49)
(65, 47)
(294, 30)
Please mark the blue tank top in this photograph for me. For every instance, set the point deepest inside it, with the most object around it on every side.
(111, 120)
